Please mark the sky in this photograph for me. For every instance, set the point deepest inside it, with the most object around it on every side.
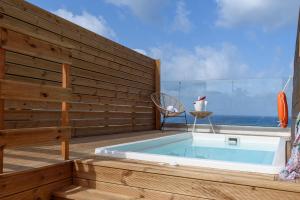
(196, 39)
(251, 42)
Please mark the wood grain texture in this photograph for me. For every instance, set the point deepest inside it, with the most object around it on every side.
(87, 36)
(88, 44)
(28, 45)
(43, 192)
(157, 89)
(11, 138)
(1, 158)
(185, 182)
(18, 90)
(65, 121)
(201, 114)
(133, 192)
(2, 105)
(147, 180)
(104, 75)
(47, 154)
(12, 183)
(79, 193)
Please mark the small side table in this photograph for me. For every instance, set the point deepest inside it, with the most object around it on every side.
(202, 115)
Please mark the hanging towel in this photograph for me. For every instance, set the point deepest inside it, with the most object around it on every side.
(292, 168)
(172, 109)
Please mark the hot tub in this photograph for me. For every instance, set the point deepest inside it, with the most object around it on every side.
(260, 154)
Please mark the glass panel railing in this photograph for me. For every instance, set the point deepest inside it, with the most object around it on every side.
(248, 102)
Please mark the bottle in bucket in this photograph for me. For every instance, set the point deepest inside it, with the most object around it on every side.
(200, 104)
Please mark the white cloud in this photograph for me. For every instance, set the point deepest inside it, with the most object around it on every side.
(144, 9)
(269, 14)
(93, 23)
(141, 51)
(200, 63)
(182, 22)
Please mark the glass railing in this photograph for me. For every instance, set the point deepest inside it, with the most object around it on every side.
(248, 102)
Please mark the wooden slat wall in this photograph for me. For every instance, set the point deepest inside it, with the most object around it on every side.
(111, 84)
(37, 183)
(150, 181)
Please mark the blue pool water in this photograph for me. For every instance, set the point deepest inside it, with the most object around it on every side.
(186, 147)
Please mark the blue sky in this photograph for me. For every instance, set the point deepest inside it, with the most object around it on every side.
(207, 39)
(200, 40)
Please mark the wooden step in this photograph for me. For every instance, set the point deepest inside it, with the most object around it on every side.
(74, 192)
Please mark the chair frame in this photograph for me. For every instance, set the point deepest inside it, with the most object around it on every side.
(166, 113)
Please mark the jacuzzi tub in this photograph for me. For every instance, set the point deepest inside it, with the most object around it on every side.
(221, 151)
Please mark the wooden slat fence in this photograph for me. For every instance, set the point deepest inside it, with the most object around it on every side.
(111, 84)
(36, 183)
(58, 79)
(18, 90)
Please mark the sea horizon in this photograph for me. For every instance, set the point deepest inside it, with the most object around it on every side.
(237, 120)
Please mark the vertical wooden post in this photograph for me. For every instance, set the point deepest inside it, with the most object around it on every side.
(157, 89)
(66, 83)
(2, 73)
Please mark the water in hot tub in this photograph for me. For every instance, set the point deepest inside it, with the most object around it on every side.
(212, 150)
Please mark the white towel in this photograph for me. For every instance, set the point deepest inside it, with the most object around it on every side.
(172, 109)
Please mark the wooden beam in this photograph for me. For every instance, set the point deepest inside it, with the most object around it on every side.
(79, 192)
(27, 45)
(42, 192)
(1, 159)
(32, 179)
(21, 30)
(66, 84)
(135, 193)
(37, 92)
(2, 74)
(187, 181)
(11, 138)
(157, 89)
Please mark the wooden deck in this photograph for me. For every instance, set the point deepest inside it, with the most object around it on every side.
(142, 180)
(137, 179)
(38, 156)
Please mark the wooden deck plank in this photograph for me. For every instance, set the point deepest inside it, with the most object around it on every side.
(18, 182)
(137, 193)
(192, 182)
(43, 155)
(74, 192)
(43, 192)
(181, 185)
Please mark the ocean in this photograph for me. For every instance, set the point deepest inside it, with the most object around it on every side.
(267, 121)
